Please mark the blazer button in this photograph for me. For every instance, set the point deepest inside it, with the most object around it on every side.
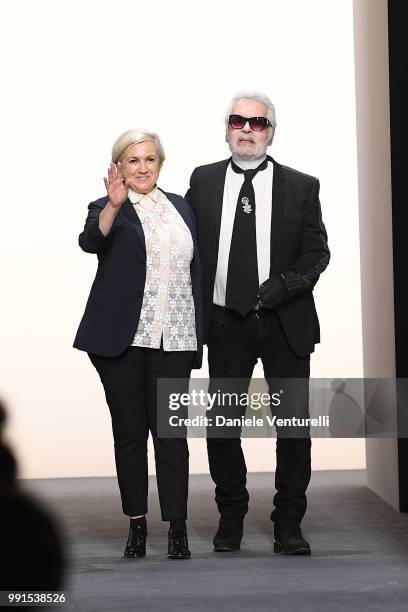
(139, 294)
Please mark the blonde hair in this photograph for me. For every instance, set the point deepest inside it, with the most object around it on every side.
(134, 136)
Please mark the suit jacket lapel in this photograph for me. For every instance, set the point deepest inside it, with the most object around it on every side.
(217, 196)
(278, 199)
(131, 215)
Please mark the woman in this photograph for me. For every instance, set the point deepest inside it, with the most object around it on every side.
(142, 322)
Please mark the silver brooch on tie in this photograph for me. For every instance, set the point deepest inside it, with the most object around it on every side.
(247, 208)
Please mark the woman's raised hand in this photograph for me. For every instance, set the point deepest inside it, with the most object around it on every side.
(116, 186)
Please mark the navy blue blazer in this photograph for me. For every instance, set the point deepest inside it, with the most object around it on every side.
(112, 311)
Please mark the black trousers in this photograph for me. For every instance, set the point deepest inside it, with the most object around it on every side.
(234, 345)
(130, 384)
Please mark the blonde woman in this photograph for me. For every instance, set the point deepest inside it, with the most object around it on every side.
(143, 322)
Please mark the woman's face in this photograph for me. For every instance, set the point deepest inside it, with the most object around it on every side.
(141, 166)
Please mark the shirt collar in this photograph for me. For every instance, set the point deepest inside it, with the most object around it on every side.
(135, 197)
(248, 164)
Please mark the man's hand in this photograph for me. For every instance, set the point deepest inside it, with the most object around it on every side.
(272, 292)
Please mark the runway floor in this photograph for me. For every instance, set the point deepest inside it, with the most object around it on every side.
(359, 555)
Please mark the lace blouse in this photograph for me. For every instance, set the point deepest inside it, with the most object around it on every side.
(168, 307)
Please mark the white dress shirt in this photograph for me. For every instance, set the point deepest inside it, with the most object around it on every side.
(168, 306)
(262, 183)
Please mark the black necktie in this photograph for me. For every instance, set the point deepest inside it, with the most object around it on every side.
(242, 278)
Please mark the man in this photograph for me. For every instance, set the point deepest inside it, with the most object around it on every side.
(263, 246)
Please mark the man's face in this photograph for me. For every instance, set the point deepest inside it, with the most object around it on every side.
(245, 143)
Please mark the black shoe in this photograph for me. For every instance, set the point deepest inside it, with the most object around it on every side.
(178, 543)
(136, 543)
(229, 535)
(289, 540)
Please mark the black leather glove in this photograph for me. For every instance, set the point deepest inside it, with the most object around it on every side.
(273, 292)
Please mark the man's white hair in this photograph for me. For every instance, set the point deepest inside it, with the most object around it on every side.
(253, 95)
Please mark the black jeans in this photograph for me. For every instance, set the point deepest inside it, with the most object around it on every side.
(234, 345)
(130, 384)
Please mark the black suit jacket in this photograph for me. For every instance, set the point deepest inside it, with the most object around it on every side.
(112, 312)
(299, 248)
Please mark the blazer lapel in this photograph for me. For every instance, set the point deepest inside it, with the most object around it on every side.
(131, 215)
(278, 199)
(217, 196)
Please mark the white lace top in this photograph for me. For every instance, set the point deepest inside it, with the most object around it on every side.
(168, 306)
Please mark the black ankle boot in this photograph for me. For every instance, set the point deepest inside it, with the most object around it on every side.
(289, 539)
(136, 543)
(178, 542)
(229, 535)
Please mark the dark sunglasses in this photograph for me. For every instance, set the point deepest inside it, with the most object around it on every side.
(257, 124)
